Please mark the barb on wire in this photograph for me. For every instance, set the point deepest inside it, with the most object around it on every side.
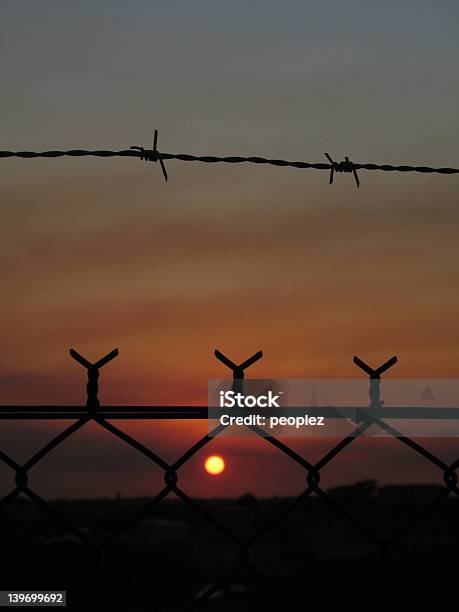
(154, 155)
(344, 166)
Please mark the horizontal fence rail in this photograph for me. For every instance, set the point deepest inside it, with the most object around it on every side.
(154, 155)
(125, 412)
(103, 416)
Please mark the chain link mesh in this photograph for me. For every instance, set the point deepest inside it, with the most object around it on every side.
(102, 416)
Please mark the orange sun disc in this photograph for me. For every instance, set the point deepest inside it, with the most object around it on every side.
(214, 465)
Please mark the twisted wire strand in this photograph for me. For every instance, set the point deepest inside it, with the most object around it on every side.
(210, 159)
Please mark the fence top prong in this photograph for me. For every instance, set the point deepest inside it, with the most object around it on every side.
(234, 367)
(107, 358)
(248, 362)
(221, 357)
(374, 372)
(93, 366)
(81, 360)
(363, 366)
(385, 366)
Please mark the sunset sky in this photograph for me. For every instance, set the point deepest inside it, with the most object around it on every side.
(102, 253)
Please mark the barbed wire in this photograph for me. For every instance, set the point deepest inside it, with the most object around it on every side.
(153, 155)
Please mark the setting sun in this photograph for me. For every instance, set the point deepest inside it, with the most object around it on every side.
(214, 465)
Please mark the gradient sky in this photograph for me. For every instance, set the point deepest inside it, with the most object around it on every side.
(101, 253)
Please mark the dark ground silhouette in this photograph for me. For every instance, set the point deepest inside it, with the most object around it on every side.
(173, 554)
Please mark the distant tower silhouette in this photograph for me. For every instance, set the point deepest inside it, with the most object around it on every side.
(427, 393)
(313, 402)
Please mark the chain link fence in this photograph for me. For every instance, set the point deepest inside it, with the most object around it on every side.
(105, 417)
